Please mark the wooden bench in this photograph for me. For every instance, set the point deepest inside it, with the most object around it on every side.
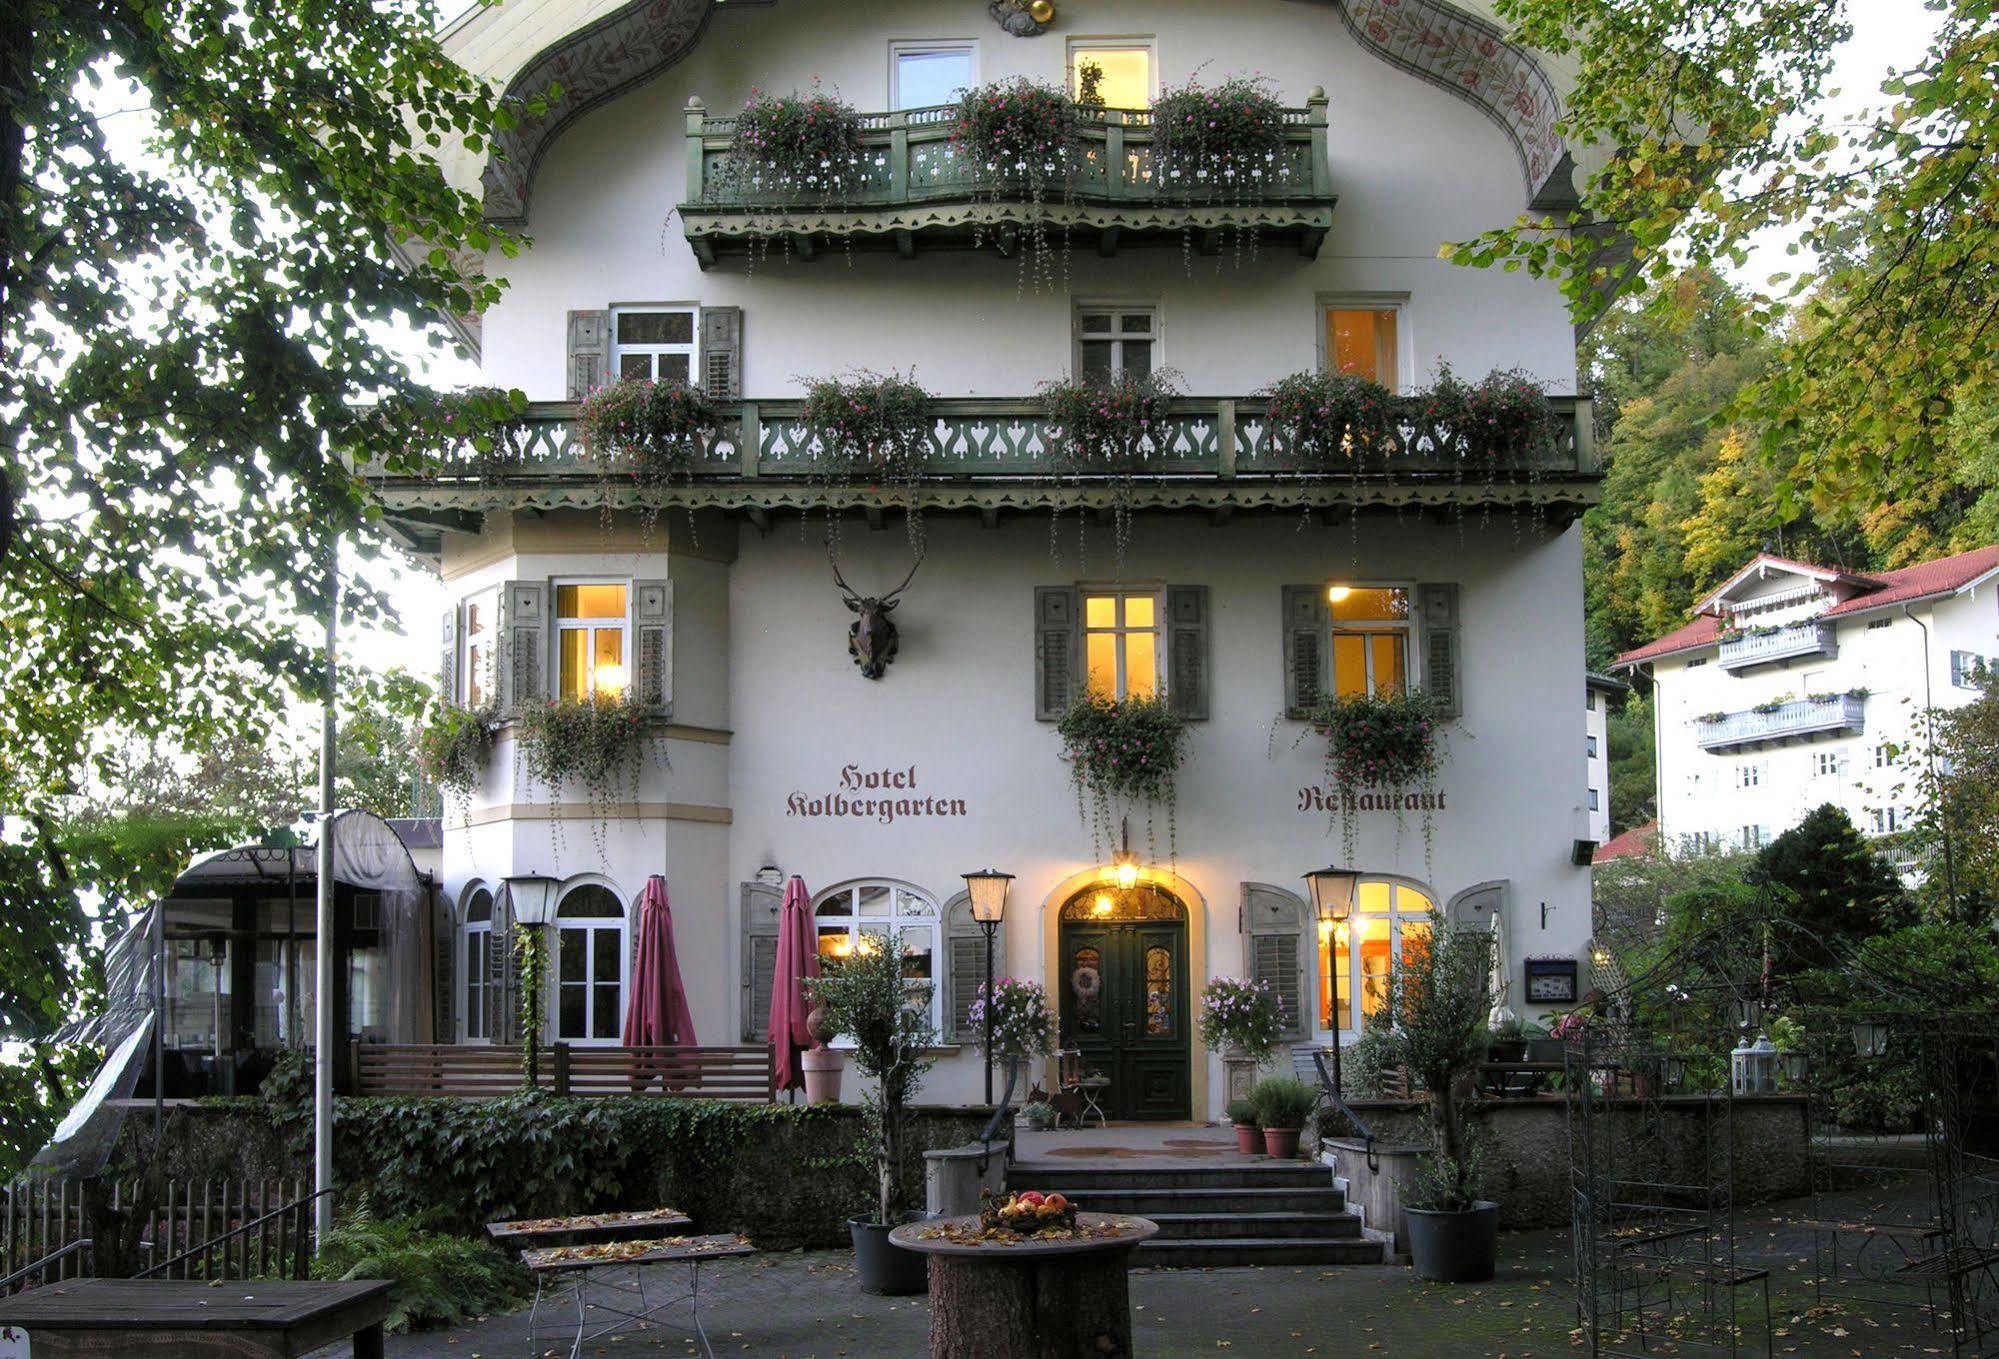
(480, 1071)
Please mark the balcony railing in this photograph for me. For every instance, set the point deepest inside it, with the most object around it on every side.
(1807, 639)
(1213, 452)
(1801, 719)
(918, 187)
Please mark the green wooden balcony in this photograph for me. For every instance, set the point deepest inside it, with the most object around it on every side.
(1216, 454)
(919, 192)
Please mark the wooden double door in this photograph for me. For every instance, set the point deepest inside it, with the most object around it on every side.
(1125, 999)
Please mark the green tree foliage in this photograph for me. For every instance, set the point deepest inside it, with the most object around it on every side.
(1832, 888)
(1960, 797)
(1632, 752)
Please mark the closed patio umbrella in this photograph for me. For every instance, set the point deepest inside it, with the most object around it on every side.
(659, 1015)
(790, 999)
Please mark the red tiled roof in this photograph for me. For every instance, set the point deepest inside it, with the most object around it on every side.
(1635, 843)
(1925, 580)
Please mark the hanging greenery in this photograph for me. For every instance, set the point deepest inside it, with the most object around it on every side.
(1108, 430)
(793, 149)
(1379, 747)
(595, 741)
(1018, 138)
(454, 745)
(649, 433)
(1217, 146)
(1120, 752)
(875, 427)
(1332, 421)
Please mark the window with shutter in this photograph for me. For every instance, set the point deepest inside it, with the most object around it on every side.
(447, 677)
(1304, 649)
(1437, 605)
(762, 903)
(524, 642)
(722, 352)
(1054, 650)
(1187, 651)
(589, 343)
(965, 968)
(652, 623)
(1274, 925)
(444, 947)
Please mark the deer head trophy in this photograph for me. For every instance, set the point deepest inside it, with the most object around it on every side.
(872, 638)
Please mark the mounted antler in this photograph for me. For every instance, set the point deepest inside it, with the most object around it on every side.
(872, 638)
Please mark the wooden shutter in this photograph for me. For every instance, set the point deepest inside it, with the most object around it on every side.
(652, 624)
(523, 626)
(965, 968)
(589, 352)
(1437, 609)
(1054, 651)
(1275, 930)
(722, 353)
(1187, 651)
(506, 972)
(762, 904)
(447, 675)
(445, 953)
(1305, 647)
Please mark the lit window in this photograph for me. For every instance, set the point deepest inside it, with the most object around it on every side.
(1370, 639)
(481, 970)
(1111, 342)
(481, 633)
(655, 343)
(590, 640)
(1361, 342)
(925, 75)
(862, 914)
(589, 966)
(1111, 75)
(1121, 643)
(1390, 921)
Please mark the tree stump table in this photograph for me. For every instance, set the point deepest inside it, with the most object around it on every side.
(1029, 1298)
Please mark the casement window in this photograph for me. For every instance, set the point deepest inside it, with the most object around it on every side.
(925, 75)
(1753, 837)
(1346, 640)
(1884, 755)
(1113, 73)
(1749, 776)
(1828, 764)
(1114, 341)
(1697, 661)
(663, 343)
(1362, 338)
(482, 613)
(1592, 746)
(1887, 820)
(590, 948)
(861, 916)
(657, 343)
(1589, 700)
(1390, 928)
(1967, 669)
(481, 994)
(1128, 643)
(1594, 801)
(590, 627)
(1703, 842)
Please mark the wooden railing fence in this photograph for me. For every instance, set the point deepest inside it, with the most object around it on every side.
(472, 1071)
(206, 1229)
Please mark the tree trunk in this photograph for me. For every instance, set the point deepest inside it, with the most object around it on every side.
(1056, 1307)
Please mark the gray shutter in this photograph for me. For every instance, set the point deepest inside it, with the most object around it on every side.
(1443, 674)
(589, 352)
(652, 625)
(523, 625)
(762, 904)
(1274, 924)
(722, 353)
(1054, 651)
(965, 968)
(447, 675)
(446, 974)
(1187, 651)
(1305, 647)
(506, 978)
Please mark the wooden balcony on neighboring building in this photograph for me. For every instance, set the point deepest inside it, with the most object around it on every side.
(915, 189)
(1802, 719)
(1809, 640)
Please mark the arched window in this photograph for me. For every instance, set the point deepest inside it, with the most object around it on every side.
(1390, 921)
(846, 916)
(589, 966)
(481, 970)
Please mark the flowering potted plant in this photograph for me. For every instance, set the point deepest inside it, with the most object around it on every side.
(454, 745)
(650, 430)
(1120, 750)
(1331, 421)
(1244, 1022)
(875, 426)
(1217, 144)
(1503, 418)
(1109, 430)
(1021, 1024)
(797, 145)
(1384, 740)
(1018, 139)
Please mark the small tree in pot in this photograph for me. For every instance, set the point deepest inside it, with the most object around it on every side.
(1283, 1106)
(867, 998)
(1437, 1005)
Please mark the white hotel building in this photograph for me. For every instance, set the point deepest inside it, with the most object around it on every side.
(1798, 685)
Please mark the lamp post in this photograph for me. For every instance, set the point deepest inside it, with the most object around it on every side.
(1332, 902)
(987, 889)
(529, 895)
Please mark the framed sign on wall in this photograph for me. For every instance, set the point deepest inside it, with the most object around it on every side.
(1551, 981)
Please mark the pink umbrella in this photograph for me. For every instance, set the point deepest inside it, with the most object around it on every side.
(790, 1001)
(659, 1015)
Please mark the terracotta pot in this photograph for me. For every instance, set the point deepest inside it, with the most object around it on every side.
(1248, 1139)
(822, 1067)
(1281, 1143)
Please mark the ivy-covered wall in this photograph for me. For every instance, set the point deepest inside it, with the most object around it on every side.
(784, 1175)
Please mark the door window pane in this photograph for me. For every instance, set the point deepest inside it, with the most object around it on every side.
(1362, 342)
(1158, 992)
(929, 76)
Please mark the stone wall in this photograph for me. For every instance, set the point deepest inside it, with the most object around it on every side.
(1527, 1164)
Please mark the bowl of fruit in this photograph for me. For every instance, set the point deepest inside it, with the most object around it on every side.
(1027, 1212)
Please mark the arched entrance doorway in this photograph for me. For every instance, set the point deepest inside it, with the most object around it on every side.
(1124, 996)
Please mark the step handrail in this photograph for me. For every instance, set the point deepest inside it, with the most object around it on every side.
(42, 1265)
(1332, 1092)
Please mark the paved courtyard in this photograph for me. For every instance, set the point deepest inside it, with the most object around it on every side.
(804, 1305)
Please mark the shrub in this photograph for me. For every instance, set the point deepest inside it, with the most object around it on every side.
(1283, 1102)
(1435, 1026)
(438, 1279)
(453, 746)
(1241, 1014)
(1241, 1112)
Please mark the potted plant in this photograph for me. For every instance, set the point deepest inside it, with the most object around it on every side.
(1244, 1022)
(1242, 1116)
(822, 1063)
(868, 999)
(1039, 1115)
(1283, 1105)
(1437, 1002)
(1021, 1024)
(1509, 1040)
(1122, 752)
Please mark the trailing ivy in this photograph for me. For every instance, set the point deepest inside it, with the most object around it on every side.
(596, 741)
(872, 427)
(1217, 146)
(531, 967)
(1108, 430)
(1018, 139)
(1120, 752)
(1379, 743)
(649, 433)
(454, 746)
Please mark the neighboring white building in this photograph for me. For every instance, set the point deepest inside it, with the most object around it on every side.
(1798, 685)
(1599, 691)
(1246, 588)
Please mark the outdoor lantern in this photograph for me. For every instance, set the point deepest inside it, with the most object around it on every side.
(531, 895)
(1672, 1071)
(1127, 869)
(1748, 1014)
(1870, 1038)
(988, 888)
(1332, 893)
(1753, 1067)
(1794, 1064)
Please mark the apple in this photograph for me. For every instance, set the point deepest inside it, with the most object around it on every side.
(1033, 1198)
(1057, 1202)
